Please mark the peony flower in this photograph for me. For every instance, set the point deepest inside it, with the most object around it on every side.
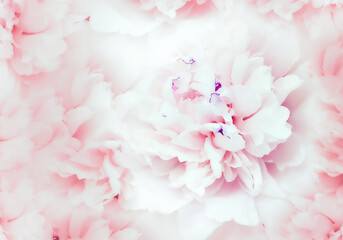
(284, 9)
(47, 211)
(14, 120)
(161, 119)
(291, 8)
(76, 141)
(199, 128)
(330, 137)
(320, 220)
(81, 223)
(31, 35)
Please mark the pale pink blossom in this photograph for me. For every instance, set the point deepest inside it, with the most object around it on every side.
(31, 34)
(162, 119)
(49, 211)
(200, 129)
(330, 140)
(321, 219)
(291, 9)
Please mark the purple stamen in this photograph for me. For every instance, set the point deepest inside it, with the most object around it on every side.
(164, 115)
(174, 87)
(191, 61)
(221, 131)
(217, 85)
(217, 94)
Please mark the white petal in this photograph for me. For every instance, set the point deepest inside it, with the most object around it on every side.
(251, 177)
(245, 101)
(108, 18)
(243, 67)
(126, 234)
(231, 141)
(153, 194)
(215, 156)
(199, 226)
(285, 85)
(204, 82)
(232, 205)
(77, 116)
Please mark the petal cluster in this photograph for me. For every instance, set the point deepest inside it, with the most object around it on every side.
(171, 119)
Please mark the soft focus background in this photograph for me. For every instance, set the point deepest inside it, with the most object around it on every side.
(171, 119)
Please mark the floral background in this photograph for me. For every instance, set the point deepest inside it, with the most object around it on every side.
(171, 119)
